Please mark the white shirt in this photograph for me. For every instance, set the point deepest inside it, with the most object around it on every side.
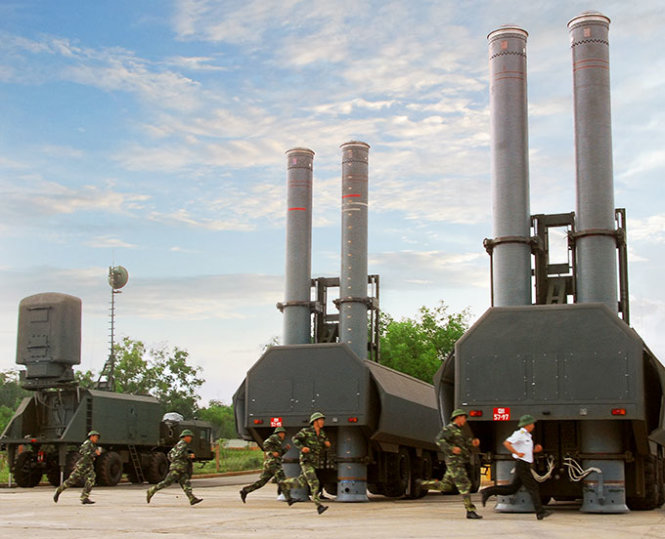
(522, 443)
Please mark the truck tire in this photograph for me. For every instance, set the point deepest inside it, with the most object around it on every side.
(424, 472)
(109, 469)
(26, 470)
(398, 472)
(651, 490)
(158, 467)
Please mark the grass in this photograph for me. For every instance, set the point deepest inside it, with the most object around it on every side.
(232, 460)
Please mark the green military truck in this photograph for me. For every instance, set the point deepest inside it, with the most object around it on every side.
(44, 434)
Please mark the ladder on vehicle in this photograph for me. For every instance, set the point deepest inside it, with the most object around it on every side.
(136, 462)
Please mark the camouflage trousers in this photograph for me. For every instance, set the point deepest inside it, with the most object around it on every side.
(455, 477)
(85, 475)
(181, 476)
(271, 468)
(306, 478)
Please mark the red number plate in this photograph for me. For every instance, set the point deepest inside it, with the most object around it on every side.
(501, 414)
(275, 421)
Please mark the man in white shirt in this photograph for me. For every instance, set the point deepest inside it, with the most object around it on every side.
(520, 444)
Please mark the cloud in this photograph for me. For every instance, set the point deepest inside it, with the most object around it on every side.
(194, 63)
(409, 269)
(111, 69)
(106, 242)
(650, 229)
(29, 199)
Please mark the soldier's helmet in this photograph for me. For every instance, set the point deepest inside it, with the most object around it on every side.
(526, 420)
(315, 416)
(280, 429)
(186, 432)
(93, 433)
(456, 413)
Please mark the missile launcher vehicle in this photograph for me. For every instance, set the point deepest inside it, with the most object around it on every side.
(564, 352)
(44, 434)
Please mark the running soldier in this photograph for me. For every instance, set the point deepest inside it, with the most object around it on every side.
(456, 448)
(180, 469)
(311, 441)
(84, 469)
(272, 464)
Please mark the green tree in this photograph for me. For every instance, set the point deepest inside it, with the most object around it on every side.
(160, 372)
(221, 415)
(416, 346)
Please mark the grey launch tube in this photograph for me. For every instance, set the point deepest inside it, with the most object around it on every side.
(596, 265)
(298, 246)
(296, 307)
(511, 254)
(595, 225)
(351, 445)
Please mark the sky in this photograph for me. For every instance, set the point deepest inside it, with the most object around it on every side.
(152, 135)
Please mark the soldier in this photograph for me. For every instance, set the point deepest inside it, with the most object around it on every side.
(520, 444)
(84, 469)
(180, 469)
(272, 463)
(456, 447)
(311, 442)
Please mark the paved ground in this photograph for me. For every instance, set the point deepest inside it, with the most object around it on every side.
(122, 512)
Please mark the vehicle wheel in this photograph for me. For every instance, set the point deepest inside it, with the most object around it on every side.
(398, 473)
(26, 470)
(157, 468)
(424, 473)
(651, 495)
(108, 469)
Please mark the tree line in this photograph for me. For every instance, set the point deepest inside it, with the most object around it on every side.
(415, 346)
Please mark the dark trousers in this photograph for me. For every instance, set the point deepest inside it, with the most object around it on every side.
(524, 477)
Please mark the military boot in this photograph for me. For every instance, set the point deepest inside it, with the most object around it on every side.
(87, 501)
(58, 491)
(321, 508)
(243, 495)
(149, 494)
(473, 515)
(195, 500)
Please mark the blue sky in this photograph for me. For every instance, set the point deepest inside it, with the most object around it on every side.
(152, 135)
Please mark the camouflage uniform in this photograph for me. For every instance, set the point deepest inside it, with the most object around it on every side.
(456, 476)
(83, 471)
(272, 465)
(308, 462)
(179, 471)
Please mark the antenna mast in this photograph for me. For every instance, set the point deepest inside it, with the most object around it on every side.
(118, 277)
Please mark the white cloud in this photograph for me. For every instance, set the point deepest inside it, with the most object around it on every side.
(651, 229)
(26, 198)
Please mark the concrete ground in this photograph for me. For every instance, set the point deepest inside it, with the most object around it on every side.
(122, 511)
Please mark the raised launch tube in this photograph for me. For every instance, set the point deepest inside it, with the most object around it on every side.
(351, 445)
(296, 306)
(510, 247)
(595, 224)
(595, 240)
